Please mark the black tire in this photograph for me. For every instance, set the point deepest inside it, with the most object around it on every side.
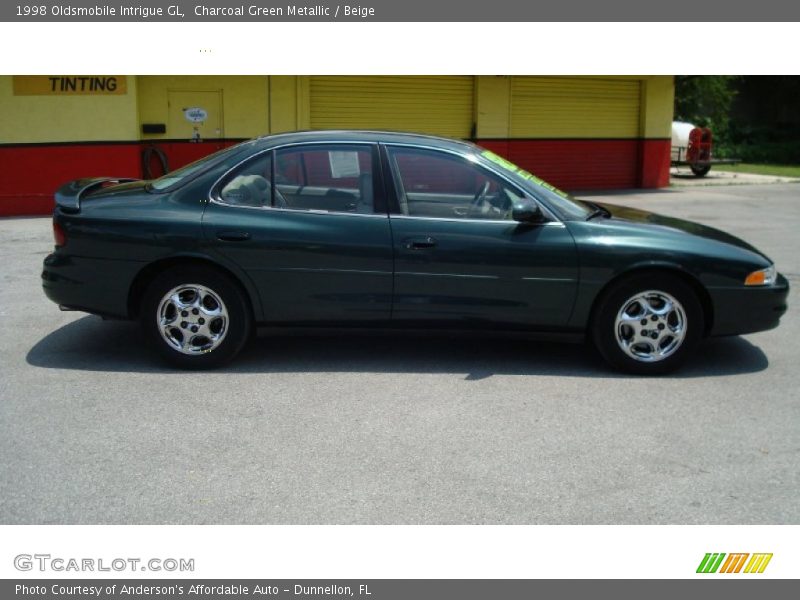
(233, 329)
(609, 337)
(701, 171)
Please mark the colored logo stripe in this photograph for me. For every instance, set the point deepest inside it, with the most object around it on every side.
(733, 564)
(758, 563)
(710, 562)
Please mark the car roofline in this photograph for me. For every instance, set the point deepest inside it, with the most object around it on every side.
(363, 135)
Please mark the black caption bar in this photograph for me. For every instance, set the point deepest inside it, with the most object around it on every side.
(403, 10)
(396, 589)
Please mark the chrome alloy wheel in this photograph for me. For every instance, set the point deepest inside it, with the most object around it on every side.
(650, 326)
(192, 319)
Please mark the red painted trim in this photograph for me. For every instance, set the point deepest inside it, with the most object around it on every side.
(25, 204)
(569, 139)
(32, 172)
(655, 163)
(224, 141)
(590, 163)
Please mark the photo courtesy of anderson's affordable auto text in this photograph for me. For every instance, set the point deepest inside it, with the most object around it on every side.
(399, 300)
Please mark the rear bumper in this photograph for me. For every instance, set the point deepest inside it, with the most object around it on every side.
(748, 309)
(91, 285)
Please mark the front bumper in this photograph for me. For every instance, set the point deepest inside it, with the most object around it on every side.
(748, 309)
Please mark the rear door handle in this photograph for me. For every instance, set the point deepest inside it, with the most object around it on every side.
(420, 243)
(233, 236)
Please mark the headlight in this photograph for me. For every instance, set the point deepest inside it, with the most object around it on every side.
(763, 277)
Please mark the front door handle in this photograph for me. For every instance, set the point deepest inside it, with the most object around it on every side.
(233, 236)
(420, 243)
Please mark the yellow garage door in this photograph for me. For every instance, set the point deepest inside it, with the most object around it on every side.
(567, 107)
(434, 105)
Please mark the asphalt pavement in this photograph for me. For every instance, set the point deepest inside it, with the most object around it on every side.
(389, 430)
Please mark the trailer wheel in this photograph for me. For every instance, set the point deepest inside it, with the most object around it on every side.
(701, 171)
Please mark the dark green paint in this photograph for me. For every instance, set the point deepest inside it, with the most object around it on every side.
(345, 269)
(308, 266)
(503, 273)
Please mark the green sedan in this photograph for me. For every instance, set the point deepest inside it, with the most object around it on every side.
(377, 230)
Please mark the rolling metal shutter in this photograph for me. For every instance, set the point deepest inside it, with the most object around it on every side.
(577, 132)
(433, 105)
(564, 107)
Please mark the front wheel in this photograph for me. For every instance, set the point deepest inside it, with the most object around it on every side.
(195, 317)
(701, 171)
(648, 324)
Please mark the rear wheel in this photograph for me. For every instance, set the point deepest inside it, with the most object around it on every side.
(195, 317)
(648, 324)
(701, 171)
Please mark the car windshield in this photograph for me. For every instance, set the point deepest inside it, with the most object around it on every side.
(188, 171)
(565, 204)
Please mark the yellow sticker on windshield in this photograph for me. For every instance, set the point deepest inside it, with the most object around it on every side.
(500, 161)
(509, 166)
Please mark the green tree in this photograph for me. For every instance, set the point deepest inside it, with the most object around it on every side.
(706, 100)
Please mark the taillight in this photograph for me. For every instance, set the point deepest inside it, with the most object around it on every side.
(59, 235)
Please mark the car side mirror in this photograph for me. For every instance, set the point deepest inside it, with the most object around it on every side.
(526, 211)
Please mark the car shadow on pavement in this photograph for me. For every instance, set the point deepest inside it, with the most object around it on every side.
(687, 174)
(91, 344)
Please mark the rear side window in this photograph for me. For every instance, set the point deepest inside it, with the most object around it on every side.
(335, 178)
(185, 173)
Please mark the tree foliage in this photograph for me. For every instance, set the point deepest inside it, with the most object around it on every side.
(706, 100)
(753, 117)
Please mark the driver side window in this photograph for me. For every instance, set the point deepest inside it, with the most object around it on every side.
(249, 185)
(440, 185)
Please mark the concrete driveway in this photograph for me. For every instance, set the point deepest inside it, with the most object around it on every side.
(399, 430)
(683, 177)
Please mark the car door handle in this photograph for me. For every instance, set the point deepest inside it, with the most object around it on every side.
(420, 243)
(233, 236)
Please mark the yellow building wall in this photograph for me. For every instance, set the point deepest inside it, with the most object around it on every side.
(658, 99)
(580, 149)
(289, 103)
(61, 118)
(492, 104)
(437, 105)
(574, 107)
(606, 115)
(257, 105)
(245, 101)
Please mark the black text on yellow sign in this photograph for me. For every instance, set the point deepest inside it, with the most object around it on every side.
(70, 85)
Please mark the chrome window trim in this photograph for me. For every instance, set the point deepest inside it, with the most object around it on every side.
(464, 155)
(295, 211)
(466, 220)
(214, 197)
